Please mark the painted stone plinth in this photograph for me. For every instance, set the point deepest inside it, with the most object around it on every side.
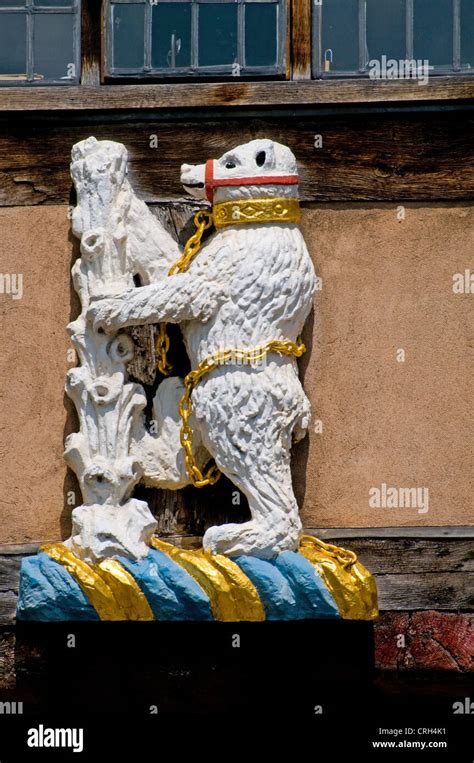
(319, 581)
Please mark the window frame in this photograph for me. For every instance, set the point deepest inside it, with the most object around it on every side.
(317, 53)
(30, 10)
(96, 94)
(194, 71)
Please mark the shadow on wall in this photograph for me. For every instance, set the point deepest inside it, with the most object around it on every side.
(71, 490)
(300, 451)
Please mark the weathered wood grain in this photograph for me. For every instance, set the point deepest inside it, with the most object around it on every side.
(452, 591)
(90, 43)
(7, 660)
(8, 601)
(427, 532)
(9, 573)
(412, 556)
(431, 641)
(18, 549)
(385, 158)
(9, 585)
(301, 39)
(234, 94)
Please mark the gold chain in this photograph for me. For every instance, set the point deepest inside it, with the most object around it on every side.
(162, 346)
(343, 555)
(194, 377)
(202, 220)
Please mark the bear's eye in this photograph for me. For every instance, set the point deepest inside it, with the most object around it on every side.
(230, 166)
(260, 158)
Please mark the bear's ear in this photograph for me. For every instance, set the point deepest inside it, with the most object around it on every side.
(265, 156)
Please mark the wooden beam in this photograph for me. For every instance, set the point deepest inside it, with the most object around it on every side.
(389, 157)
(420, 533)
(412, 556)
(17, 549)
(90, 44)
(448, 591)
(234, 94)
(301, 39)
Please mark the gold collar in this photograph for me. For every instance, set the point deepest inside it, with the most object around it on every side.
(240, 212)
(252, 211)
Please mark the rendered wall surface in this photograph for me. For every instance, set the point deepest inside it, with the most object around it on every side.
(387, 286)
(34, 413)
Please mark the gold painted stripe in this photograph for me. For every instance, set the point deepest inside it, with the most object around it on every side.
(126, 590)
(350, 583)
(92, 584)
(211, 580)
(247, 600)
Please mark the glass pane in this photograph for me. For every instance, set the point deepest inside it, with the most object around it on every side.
(260, 34)
(53, 49)
(467, 33)
(171, 35)
(129, 36)
(433, 32)
(217, 34)
(386, 29)
(12, 46)
(340, 37)
(12, 3)
(55, 3)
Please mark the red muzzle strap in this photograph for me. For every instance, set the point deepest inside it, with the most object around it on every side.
(212, 182)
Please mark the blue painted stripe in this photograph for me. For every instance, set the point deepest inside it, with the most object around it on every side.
(171, 592)
(273, 588)
(312, 597)
(48, 592)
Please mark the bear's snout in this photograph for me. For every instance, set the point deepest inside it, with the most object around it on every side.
(193, 177)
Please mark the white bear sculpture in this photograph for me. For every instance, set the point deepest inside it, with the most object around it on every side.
(241, 299)
(251, 284)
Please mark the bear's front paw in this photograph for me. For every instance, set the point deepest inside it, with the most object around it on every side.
(105, 315)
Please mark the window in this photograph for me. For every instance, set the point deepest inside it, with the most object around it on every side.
(39, 42)
(392, 37)
(188, 37)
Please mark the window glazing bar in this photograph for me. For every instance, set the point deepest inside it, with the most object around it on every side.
(30, 41)
(457, 34)
(240, 36)
(362, 36)
(194, 35)
(317, 46)
(147, 35)
(409, 11)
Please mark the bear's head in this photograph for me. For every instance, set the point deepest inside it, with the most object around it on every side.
(255, 164)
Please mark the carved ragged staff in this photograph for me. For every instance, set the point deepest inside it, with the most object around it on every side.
(120, 240)
(107, 404)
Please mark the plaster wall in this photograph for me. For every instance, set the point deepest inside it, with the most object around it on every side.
(387, 285)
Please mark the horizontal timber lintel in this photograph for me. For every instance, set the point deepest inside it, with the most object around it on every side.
(234, 94)
(447, 532)
(420, 533)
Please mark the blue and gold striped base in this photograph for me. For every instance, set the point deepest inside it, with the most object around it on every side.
(175, 584)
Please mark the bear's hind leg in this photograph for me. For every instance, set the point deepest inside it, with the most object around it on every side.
(275, 525)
